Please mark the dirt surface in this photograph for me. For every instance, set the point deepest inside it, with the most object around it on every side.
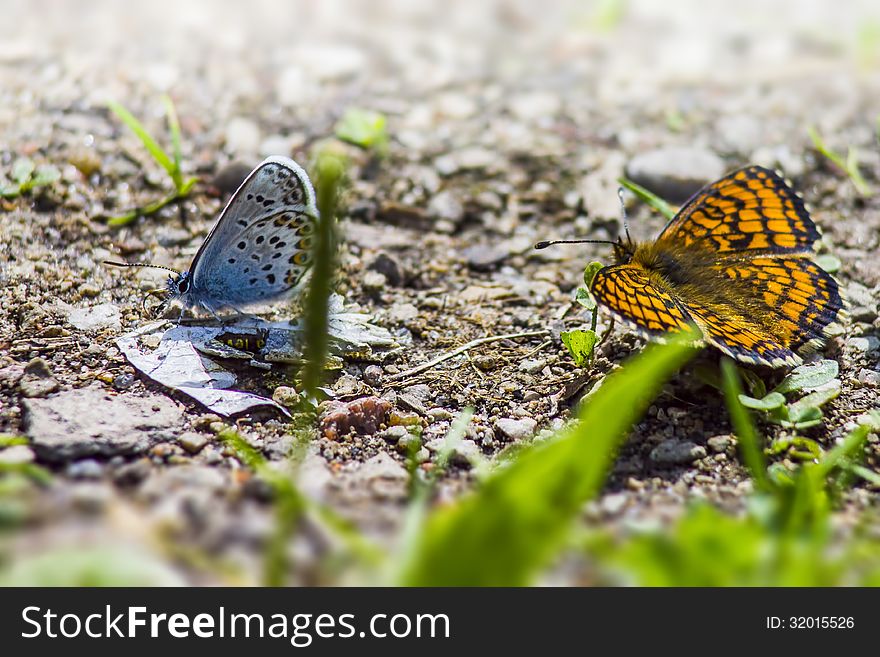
(506, 127)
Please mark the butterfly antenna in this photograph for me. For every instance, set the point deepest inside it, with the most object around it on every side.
(139, 264)
(544, 245)
(623, 214)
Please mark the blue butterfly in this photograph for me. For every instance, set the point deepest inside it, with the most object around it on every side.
(260, 248)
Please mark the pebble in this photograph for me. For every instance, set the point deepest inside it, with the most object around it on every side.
(482, 257)
(514, 430)
(84, 469)
(192, 441)
(438, 414)
(242, 136)
(864, 344)
(445, 205)
(388, 267)
(673, 452)
(401, 313)
(373, 281)
(532, 365)
(37, 379)
(394, 434)
(17, 454)
(105, 315)
(230, 177)
(373, 375)
(123, 381)
(408, 442)
(719, 443)
(868, 377)
(382, 466)
(286, 396)
(88, 422)
(674, 173)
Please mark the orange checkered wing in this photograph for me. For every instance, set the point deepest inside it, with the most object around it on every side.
(801, 298)
(631, 294)
(751, 209)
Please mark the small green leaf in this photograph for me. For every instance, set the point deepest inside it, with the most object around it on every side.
(363, 128)
(580, 344)
(806, 377)
(766, 403)
(10, 191)
(756, 386)
(828, 262)
(584, 298)
(814, 399)
(45, 174)
(648, 197)
(590, 273)
(22, 169)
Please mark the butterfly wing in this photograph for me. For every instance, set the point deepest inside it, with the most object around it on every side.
(793, 295)
(260, 246)
(751, 209)
(632, 294)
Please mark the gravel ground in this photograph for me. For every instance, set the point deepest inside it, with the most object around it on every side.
(506, 127)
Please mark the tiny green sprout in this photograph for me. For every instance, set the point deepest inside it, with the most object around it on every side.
(580, 345)
(648, 197)
(769, 402)
(828, 262)
(170, 163)
(364, 128)
(849, 165)
(808, 377)
(26, 176)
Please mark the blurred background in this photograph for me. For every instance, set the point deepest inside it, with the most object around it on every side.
(503, 122)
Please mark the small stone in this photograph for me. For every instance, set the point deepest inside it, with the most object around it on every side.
(403, 419)
(362, 416)
(868, 377)
(229, 178)
(388, 267)
(401, 313)
(515, 430)
(864, 344)
(286, 396)
(217, 427)
(204, 421)
(88, 422)
(192, 441)
(17, 454)
(123, 381)
(719, 444)
(382, 466)
(485, 362)
(89, 290)
(393, 434)
(446, 205)
(85, 469)
(347, 385)
(532, 365)
(105, 315)
(673, 452)
(242, 136)
(373, 375)
(37, 380)
(438, 414)
(674, 173)
(482, 257)
(133, 473)
(613, 503)
(373, 281)
(535, 105)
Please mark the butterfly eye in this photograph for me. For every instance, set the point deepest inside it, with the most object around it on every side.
(183, 285)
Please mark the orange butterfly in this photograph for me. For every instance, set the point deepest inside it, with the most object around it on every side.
(736, 262)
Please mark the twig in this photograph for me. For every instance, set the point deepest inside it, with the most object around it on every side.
(460, 350)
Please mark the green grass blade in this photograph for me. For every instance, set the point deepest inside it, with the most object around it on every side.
(749, 443)
(174, 128)
(505, 532)
(329, 169)
(146, 138)
(648, 197)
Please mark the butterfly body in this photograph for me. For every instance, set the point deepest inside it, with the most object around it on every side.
(735, 261)
(260, 248)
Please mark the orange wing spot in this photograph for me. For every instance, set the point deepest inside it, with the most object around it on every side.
(778, 226)
(759, 241)
(749, 215)
(750, 226)
(784, 240)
